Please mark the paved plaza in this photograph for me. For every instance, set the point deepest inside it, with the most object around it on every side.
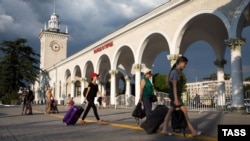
(122, 127)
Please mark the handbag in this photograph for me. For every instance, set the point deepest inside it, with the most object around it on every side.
(153, 98)
(139, 112)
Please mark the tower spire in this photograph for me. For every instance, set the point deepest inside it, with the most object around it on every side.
(54, 6)
(53, 23)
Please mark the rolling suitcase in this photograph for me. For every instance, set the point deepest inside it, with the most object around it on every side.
(156, 118)
(72, 115)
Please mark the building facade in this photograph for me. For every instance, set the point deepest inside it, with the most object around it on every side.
(208, 88)
(123, 54)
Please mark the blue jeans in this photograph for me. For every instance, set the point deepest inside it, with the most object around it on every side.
(147, 105)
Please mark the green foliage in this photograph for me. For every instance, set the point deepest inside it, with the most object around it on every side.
(213, 76)
(160, 84)
(247, 78)
(8, 97)
(184, 82)
(246, 88)
(18, 66)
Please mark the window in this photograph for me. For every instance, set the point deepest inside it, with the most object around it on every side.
(77, 88)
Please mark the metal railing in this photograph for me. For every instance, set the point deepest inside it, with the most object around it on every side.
(247, 104)
(203, 104)
(124, 101)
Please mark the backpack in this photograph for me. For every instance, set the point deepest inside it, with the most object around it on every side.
(32, 97)
(85, 91)
(178, 121)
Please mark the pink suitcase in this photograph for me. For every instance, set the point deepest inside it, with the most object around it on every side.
(72, 115)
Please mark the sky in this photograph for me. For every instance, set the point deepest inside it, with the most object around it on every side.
(90, 20)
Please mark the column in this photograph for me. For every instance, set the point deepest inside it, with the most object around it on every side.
(99, 86)
(82, 88)
(220, 83)
(65, 91)
(172, 58)
(72, 89)
(112, 86)
(128, 89)
(236, 74)
(137, 68)
(103, 89)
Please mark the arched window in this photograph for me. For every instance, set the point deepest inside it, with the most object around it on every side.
(77, 88)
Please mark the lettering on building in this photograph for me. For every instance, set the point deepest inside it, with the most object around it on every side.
(103, 47)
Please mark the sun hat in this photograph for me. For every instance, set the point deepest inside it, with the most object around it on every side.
(146, 70)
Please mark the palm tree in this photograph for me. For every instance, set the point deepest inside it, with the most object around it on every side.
(18, 65)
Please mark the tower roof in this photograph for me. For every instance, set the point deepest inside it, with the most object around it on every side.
(53, 23)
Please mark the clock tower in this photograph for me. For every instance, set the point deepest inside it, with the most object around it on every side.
(53, 43)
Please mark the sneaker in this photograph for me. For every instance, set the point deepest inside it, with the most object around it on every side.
(167, 134)
(198, 133)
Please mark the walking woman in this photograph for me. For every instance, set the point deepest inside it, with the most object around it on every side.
(90, 97)
(175, 81)
(146, 91)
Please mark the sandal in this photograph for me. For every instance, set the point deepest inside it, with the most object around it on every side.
(101, 122)
(137, 121)
(83, 122)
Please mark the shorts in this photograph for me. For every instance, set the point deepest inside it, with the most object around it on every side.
(47, 100)
(172, 101)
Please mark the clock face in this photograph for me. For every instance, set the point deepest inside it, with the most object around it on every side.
(55, 46)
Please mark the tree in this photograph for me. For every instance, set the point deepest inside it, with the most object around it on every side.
(246, 88)
(247, 78)
(184, 82)
(213, 76)
(160, 84)
(18, 66)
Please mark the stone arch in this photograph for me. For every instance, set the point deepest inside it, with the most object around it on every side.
(197, 27)
(151, 46)
(103, 67)
(88, 69)
(67, 84)
(77, 80)
(77, 72)
(124, 62)
(241, 20)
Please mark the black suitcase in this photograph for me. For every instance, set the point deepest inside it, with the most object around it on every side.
(178, 121)
(156, 118)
